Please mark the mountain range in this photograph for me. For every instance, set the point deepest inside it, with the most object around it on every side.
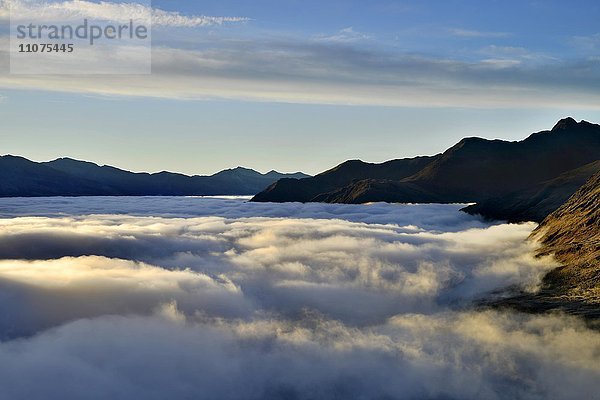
(20, 177)
(517, 181)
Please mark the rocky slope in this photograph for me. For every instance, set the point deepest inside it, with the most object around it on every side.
(572, 235)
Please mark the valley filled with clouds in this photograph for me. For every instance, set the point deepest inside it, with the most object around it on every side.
(222, 299)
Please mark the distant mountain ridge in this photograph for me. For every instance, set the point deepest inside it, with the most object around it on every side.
(484, 171)
(20, 177)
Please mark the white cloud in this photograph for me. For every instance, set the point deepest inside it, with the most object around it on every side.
(76, 10)
(499, 63)
(329, 73)
(433, 217)
(38, 295)
(221, 299)
(170, 18)
(511, 56)
(346, 35)
(330, 69)
(355, 271)
(462, 355)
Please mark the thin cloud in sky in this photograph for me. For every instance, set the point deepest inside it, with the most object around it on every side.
(517, 53)
(500, 63)
(346, 35)
(336, 73)
(170, 18)
(467, 33)
(509, 51)
(587, 43)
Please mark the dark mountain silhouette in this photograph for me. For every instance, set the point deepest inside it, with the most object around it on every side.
(474, 170)
(20, 177)
(307, 189)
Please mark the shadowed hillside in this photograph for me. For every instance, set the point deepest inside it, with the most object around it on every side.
(536, 203)
(311, 189)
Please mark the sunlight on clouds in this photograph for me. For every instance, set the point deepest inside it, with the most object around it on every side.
(361, 273)
(98, 272)
(230, 300)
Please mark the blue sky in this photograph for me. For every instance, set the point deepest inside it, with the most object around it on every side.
(303, 85)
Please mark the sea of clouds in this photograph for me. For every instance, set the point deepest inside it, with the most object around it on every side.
(217, 298)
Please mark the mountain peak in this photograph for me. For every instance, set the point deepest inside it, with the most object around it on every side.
(565, 123)
(238, 169)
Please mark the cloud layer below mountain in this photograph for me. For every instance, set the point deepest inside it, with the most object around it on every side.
(221, 299)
